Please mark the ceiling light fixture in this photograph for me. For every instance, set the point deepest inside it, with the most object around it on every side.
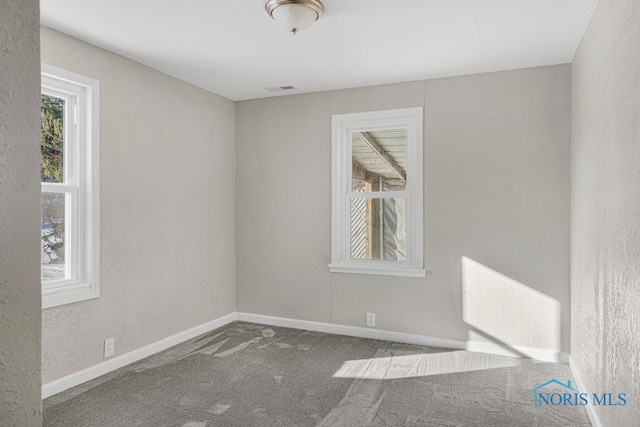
(295, 15)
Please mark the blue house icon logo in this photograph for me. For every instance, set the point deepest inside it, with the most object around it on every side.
(545, 398)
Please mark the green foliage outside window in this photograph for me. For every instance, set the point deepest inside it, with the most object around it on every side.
(52, 138)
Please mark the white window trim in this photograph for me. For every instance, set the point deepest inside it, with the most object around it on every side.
(343, 125)
(86, 283)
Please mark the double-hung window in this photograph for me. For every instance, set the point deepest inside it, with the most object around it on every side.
(377, 193)
(69, 175)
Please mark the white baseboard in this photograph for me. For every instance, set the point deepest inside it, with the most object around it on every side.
(107, 366)
(593, 417)
(352, 331)
(378, 334)
(77, 378)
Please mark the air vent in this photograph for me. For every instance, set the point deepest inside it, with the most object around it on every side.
(280, 88)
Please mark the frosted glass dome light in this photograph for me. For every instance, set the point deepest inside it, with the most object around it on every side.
(295, 15)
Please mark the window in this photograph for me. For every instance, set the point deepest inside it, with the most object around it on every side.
(377, 192)
(69, 175)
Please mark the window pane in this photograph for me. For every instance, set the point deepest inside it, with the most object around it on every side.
(52, 138)
(52, 257)
(379, 160)
(378, 229)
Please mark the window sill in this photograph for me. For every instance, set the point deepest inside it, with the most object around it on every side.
(378, 271)
(62, 295)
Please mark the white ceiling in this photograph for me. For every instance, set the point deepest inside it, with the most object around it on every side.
(233, 48)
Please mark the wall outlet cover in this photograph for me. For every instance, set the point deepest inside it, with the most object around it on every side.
(109, 347)
(371, 319)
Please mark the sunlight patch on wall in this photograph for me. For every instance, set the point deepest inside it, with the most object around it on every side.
(506, 311)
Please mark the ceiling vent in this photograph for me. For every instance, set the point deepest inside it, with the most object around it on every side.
(280, 88)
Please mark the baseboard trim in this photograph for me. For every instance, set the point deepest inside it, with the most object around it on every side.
(379, 334)
(352, 331)
(77, 378)
(593, 417)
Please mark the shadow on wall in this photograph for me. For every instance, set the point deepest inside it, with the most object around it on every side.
(506, 312)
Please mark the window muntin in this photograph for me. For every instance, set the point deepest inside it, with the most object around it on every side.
(69, 181)
(377, 193)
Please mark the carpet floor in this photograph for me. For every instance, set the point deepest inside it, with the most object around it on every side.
(246, 374)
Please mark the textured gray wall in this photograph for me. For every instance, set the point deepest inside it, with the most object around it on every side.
(167, 211)
(605, 207)
(496, 190)
(19, 213)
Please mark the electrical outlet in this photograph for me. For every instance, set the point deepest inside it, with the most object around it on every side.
(371, 319)
(109, 347)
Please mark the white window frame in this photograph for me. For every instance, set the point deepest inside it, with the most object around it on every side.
(343, 126)
(81, 184)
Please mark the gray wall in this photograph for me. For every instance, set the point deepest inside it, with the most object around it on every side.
(496, 191)
(19, 213)
(167, 211)
(605, 207)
